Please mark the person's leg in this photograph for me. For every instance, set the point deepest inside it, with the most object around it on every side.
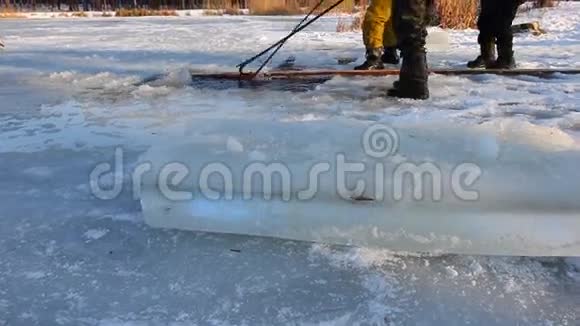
(390, 55)
(410, 26)
(506, 12)
(373, 28)
(486, 23)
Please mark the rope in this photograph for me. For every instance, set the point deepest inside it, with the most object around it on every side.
(278, 45)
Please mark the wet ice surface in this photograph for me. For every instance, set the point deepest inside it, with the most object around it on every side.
(68, 98)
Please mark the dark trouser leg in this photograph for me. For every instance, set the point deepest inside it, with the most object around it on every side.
(506, 12)
(486, 23)
(410, 26)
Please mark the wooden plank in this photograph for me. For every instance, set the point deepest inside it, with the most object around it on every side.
(290, 74)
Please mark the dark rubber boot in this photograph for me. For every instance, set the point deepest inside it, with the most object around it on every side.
(413, 78)
(390, 56)
(373, 61)
(486, 58)
(505, 58)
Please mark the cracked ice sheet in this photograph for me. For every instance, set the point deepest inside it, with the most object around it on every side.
(67, 99)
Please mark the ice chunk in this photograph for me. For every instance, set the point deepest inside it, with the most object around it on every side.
(95, 234)
(234, 145)
(437, 39)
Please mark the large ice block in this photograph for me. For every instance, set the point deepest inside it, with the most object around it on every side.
(503, 188)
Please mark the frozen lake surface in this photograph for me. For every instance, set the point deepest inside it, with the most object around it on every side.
(68, 99)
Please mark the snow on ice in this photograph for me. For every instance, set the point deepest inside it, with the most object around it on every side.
(70, 95)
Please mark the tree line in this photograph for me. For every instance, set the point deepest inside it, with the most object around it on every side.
(104, 5)
(109, 5)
